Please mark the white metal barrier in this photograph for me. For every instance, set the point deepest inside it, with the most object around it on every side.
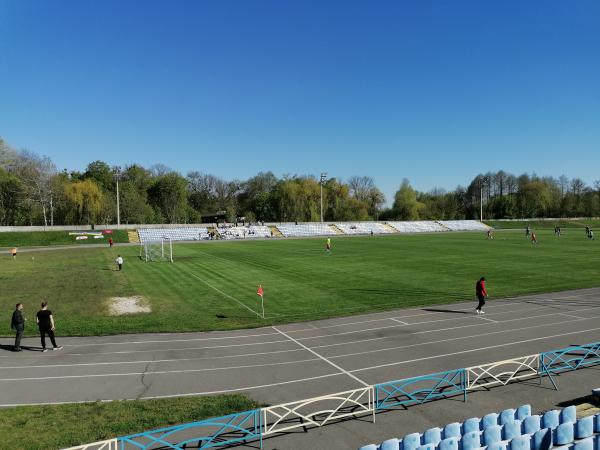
(110, 444)
(318, 411)
(503, 372)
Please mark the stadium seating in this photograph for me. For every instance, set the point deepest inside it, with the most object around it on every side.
(244, 232)
(508, 430)
(464, 225)
(417, 226)
(306, 229)
(173, 234)
(363, 228)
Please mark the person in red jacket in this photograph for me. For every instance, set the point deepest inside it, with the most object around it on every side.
(481, 293)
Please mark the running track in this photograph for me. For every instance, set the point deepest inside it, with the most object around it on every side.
(292, 362)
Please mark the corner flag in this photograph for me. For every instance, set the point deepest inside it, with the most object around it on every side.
(260, 292)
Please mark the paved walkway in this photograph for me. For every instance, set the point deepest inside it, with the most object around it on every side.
(291, 362)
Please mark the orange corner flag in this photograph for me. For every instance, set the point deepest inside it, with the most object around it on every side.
(260, 291)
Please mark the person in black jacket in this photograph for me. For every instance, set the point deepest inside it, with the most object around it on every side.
(18, 324)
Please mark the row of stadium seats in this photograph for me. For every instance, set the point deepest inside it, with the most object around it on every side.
(252, 231)
(363, 228)
(306, 229)
(464, 225)
(422, 226)
(509, 430)
(173, 234)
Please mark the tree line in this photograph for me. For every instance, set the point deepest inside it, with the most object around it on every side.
(34, 192)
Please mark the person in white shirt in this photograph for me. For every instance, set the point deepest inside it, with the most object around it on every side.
(119, 262)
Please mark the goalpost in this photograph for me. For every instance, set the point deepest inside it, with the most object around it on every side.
(157, 251)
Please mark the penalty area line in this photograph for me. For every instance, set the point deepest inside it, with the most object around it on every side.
(224, 293)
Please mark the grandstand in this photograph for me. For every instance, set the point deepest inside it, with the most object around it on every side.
(173, 234)
(306, 229)
(244, 232)
(363, 228)
(464, 225)
(420, 226)
(510, 429)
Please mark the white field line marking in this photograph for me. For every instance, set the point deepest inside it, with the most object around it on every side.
(322, 357)
(444, 329)
(247, 388)
(399, 321)
(577, 319)
(489, 320)
(223, 293)
(445, 355)
(171, 340)
(158, 372)
(424, 322)
(419, 344)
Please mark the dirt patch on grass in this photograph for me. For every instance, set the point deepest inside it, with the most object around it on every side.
(118, 306)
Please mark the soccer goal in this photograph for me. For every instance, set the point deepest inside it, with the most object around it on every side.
(157, 251)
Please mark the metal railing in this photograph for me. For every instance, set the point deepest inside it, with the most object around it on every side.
(251, 426)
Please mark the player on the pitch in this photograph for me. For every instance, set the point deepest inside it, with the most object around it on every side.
(328, 245)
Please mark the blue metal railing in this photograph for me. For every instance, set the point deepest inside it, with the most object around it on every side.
(216, 432)
(421, 389)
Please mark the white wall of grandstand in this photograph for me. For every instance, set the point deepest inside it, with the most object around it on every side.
(196, 233)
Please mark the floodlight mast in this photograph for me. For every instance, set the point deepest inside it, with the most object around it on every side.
(323, 179)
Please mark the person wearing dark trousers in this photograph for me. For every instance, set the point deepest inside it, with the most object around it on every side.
(18, 324)
(119, 262)
(45, 323)
(481, 293)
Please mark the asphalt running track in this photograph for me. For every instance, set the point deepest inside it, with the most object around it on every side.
(292, 362)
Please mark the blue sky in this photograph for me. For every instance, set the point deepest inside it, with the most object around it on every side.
(435, 91)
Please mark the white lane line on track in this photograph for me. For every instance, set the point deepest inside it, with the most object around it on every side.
(247, 388)
(158, 372)
(418, 344)
(322, 357)
(440, 341)
(489, 320)
(570, 315)
(399, 321)
(223, 293)
(445, 355)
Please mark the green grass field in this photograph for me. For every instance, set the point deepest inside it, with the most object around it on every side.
(565, 224)
(60, 426)
(45, 238)
(206, 286)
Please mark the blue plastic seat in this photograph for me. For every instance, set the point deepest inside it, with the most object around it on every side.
(597, 423)
(542, 439)
(584, 427)
(470, 425)
(508, 415)
(550, 419)
(432, 436)
(511, 430)
(584, 444)
(452, 430)
(523, 411)
(426, 447)
(500, 445)
(568, 414)
(411, 441)
(492, 434)
(471, 441)
(489, 420)
(368, 447)
(450, 443)
(531, 424)
(564, 434)
(390, 444)
(520, 443)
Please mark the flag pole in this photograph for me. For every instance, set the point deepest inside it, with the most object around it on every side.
(262, 302)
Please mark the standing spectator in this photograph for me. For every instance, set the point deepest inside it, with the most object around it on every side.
(110, 242)
(119, 262)
(18, 324)
(45, 323)
(481, 293)
(13, 252)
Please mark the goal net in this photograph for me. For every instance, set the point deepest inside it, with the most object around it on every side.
(157, 251)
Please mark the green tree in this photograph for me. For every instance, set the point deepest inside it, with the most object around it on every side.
(86, 199)
(406, 206)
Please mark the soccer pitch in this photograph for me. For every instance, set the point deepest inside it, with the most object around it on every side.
(212, 285)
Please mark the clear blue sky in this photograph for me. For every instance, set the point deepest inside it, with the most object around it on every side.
(432, 91)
